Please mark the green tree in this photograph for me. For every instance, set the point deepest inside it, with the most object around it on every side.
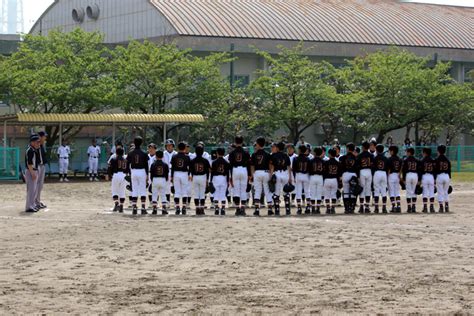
(291, 91)
(60, 73)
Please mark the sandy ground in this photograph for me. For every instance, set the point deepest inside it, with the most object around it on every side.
(77, 259)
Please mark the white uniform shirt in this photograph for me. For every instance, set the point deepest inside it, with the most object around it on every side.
(64, 151)
(167, 157)
(292, 157)
(93, 151)
(325, 158)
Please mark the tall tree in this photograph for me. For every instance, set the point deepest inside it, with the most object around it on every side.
(60, 73)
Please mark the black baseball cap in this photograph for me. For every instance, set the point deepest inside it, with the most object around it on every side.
(34, 137)
(42, 133)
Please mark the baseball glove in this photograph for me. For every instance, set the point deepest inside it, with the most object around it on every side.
(450, 190)
(211, 188)
(288, 188)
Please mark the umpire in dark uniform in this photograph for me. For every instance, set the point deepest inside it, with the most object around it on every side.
(42, 161)
(31, 173)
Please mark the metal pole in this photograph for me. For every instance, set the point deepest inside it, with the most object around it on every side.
(5, 145)
(164, 134)
(60, 134)
(113, 134)
(232, 67)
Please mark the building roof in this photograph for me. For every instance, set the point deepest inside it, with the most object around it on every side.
(385, 22)
(99, 119)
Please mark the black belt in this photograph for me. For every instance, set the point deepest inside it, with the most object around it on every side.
(266, 170)
(64, 157)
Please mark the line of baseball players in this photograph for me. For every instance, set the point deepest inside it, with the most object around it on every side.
(313, 178)
(93, 156)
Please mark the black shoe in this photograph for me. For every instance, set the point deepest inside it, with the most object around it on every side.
(307, 210)
(256, 212)
(399, 209)
(183, 211)
(313, 210)
(409, 209)
(394, 209)
(446, 208)
(216, 211)
(367, 210)
(384, 209)
(413, 209)
(164, 212)
(120, 210)
(237, 211)
(144, 212)
(361, 210)
(299, 211)
(242, 212)
(432, 209)
(116, 208)
(288, 211)
(318, 210)
(376, 209)
(277, 212)
(41, 205)
(425, 209)
(222, 211)
(270, 212)
(134, 210)
(155, 211)
(31, 210)
(328, 210)
(441, 209)
(178, 211)
(333, 210)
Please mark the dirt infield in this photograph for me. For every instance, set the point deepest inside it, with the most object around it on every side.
(75, 258)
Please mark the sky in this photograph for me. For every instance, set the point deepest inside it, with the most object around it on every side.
(34, 8)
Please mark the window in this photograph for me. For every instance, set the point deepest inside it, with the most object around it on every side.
(468, 74)
(241, 81)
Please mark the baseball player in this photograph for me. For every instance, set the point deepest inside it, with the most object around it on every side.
(410, 173)
(180, 164)
(118, 169)
(332, 175)
(364, 163)
(260, 170)
(239, 161)
(42, 162)
(290, 151)
(189, 186)
(159, 176)
(31, 173)
(349, 170)
(220, 178)
(395, 164)
(443, 178)
(373, 147)
(324, 157)
(316, 181)
(337, 148)
(380, 169)
(199, 176)
(138, 166)
(167, 155)
(300, 168)
(280, 166)
(63, 155)
(93, 152)
(151, 159)
(428, 175)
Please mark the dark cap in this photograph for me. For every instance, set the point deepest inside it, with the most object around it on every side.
(42, 133)
(34, 138)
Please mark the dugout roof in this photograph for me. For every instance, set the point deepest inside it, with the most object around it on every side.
(97, 119)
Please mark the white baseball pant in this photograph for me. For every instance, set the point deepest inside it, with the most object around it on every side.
(442, 184)
(316, 186)
(282, 179)
(119, 185)
(239, 180)
(260, 182)
(93, 165)
(181, 183)
(302, 183)
(365, 181)
(220, 184)
(63, 165)
(394, 185)
(428, 183)
(139, 178)
(199, 186)
(159, 189)
(380, 183)
(330, 189)
(410, 184)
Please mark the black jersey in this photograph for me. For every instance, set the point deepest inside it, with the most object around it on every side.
(180, 162)
(316, 166)
(443, 165)
(41, 157)
(395, 164)
(381, 163)
(200, 166)
(348, 163)
(280, 161)
(118, 164)
(428, 166)
(239, 158)
(410, 164)
(332, 169)
(365, 160)
(220, 167)
(30, 157)
(260, 160)
(300, 164)
(159, 169)
(138, 159)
